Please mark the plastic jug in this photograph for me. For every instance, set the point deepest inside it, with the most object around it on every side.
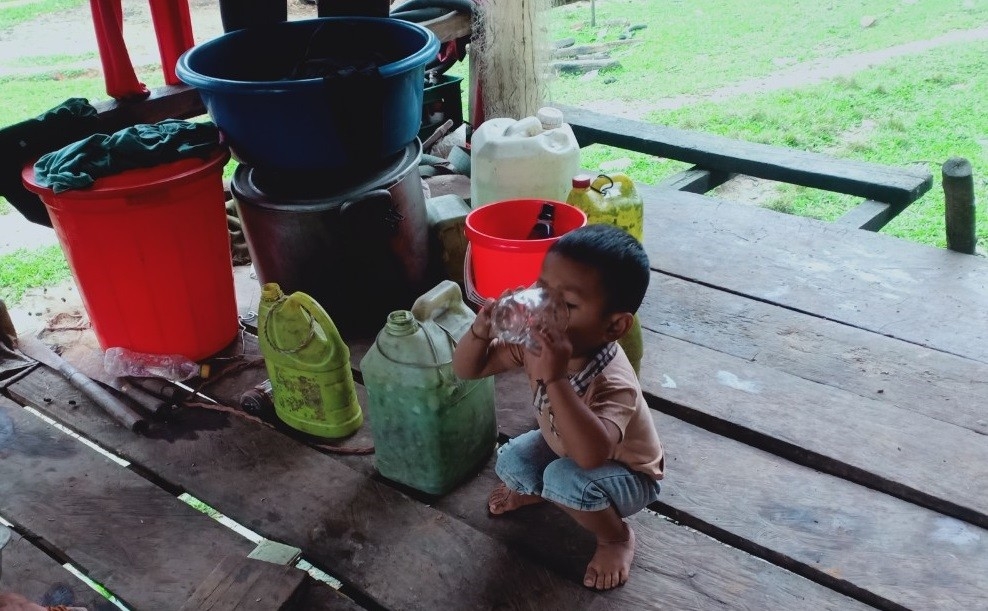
(611, 199)
(431, 429)
(533, 158)
(308, 364)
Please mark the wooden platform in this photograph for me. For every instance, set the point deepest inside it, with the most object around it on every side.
(820, 391)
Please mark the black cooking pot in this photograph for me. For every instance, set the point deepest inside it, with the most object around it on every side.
(358, 245)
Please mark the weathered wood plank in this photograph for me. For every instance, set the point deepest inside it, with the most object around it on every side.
(396, 551)
(385, 544)
(893, 554)
(883, 284)
(695, 180)
(906, 454)
(450, 26)
(240, 584)
(938, 385)
(33, 574)
(166, 102)
(870, 180)
(141, 542)
(870, 215)
(674, 568)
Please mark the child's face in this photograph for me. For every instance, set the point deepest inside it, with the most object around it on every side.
(590, 326)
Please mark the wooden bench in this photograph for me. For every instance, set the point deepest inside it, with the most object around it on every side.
(886, 190)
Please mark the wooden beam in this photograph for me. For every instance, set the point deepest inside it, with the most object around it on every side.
(870, 215)
(695, 180)
(958, 190)
(870, 180)
(450, 26)
(168, 102)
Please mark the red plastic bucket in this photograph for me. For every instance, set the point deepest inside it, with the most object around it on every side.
(501, 255)
(150, 253)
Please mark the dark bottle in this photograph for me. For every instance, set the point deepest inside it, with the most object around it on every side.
(543, 225)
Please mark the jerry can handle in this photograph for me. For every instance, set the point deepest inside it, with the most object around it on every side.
(304, 343)
(437, 300)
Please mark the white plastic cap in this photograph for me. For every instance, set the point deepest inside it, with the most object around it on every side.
(550, 117)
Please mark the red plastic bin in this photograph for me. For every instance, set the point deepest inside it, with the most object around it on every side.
(150, 253)
(501, 255)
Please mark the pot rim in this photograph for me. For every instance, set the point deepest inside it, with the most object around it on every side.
(245, 189)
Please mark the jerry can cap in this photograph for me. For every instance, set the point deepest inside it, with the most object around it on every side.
(582, 181)
(550, 117)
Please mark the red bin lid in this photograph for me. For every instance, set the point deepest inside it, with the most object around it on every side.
(133, 181)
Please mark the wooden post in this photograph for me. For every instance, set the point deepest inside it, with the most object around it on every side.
(958, 190)
(353, 8)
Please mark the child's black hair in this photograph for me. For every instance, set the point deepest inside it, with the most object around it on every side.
(619, 259)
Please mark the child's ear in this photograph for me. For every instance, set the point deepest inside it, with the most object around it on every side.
(619, 324)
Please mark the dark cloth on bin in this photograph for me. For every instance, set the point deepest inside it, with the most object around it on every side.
(145, 145)
(24, 142)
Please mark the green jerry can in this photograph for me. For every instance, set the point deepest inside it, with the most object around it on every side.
(431, 429)
(308, 364)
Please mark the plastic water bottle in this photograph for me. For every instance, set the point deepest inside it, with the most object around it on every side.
(123, 362)
(515, 315)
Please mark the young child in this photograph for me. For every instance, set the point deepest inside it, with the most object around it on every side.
(596, 454)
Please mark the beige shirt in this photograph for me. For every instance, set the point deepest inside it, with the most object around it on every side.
(615, 395)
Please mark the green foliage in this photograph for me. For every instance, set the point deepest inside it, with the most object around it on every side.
(13, 12)
(24, 269)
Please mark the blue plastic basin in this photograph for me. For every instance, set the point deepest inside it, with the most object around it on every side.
(274, 118)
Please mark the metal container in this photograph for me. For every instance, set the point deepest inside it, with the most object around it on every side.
(357, 244)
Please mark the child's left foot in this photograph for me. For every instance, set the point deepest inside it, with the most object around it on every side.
(611, 563)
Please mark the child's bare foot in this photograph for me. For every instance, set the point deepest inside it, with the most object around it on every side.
(611, 563)
(504, 499)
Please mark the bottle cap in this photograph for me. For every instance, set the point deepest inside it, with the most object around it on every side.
(582, 181)
(550, 117)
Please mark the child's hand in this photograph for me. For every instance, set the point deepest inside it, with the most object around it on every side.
(481, 326)
(550, 361)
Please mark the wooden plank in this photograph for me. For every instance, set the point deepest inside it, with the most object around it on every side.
(33, 574)
(906, 454)
(382, 543)
(870, 215)
(397, 552)
(141, 542)
(450, 26)
(321, 597)
(929, 296)
(674, 567)
(166, 102)
(695, 180)
(889, 552)
(870, 180)
(938, 385)
(240, 584)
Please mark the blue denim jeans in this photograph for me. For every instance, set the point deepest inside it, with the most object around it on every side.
(527, 464)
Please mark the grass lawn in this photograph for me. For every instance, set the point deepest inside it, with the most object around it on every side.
(919, 108)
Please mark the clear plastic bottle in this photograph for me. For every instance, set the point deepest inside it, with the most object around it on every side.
(123, 362)
(515, 315)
